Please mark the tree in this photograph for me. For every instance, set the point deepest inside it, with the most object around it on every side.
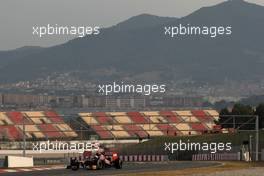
(241, 115)
(224, 118)
(241, 109)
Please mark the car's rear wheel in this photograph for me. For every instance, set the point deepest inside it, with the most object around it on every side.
(118, 164)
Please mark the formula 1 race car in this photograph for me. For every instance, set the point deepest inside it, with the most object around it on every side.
(96, 161)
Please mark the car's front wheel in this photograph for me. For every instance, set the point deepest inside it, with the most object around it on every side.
(75, 166)
(99, 164)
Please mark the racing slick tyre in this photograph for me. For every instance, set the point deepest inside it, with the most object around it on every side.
(118, 164)
(99, 164)
(75, 166)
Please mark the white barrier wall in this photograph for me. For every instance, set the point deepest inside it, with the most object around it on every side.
(17, 161)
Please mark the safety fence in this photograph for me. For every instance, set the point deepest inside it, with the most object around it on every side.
(144, 158)
(216, 157)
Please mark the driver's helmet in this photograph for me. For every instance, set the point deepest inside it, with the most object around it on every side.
(101, 151)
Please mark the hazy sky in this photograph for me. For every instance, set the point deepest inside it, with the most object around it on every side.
(18, 16)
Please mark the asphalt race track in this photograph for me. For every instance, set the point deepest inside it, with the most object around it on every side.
(127, 168)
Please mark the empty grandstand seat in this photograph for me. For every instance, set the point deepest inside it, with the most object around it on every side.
(154, 117)
(53, 117)
(32, 131)
(137, 118)
(85, 114)
(213, 113)
(190, 119)
(102, 132)
(38, 120)
(152, 130)
(199, 127)
(102, 118)
(4, 120)
(89, 120)
(210, 125)
(168, 130)
(157, 119)
(135, 131)
(184, 128)
(151, 113)
(10, 132)
(123, 119)
(118, 131)
(17, 117)
(170, 116)
(66, 130)
(50, 131)
(38, 117)
(201, 115)
(183, 113)
(116, 113)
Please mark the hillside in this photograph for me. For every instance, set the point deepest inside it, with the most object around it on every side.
(137, 49)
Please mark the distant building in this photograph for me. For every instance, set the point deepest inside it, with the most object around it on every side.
(184, 101)
(176, 101)
(25, 99)
(112, 101)
(92, 101)
(125, 102)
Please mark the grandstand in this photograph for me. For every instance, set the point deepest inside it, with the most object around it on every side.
(36, 124)
(39, 125)
(147, 124)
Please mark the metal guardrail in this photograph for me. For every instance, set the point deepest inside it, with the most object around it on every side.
(49, 161)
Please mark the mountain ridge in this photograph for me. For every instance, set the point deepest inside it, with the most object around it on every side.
(123, 46)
